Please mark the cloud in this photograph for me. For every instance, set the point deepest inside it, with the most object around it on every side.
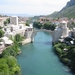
(35, 7)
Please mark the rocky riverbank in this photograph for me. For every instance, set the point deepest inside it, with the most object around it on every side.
(25, 41)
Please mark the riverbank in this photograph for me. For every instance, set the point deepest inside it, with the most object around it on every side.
(26, 41)
(66, 54)
(8, 61)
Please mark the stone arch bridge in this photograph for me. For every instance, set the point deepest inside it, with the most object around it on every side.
(48, 31)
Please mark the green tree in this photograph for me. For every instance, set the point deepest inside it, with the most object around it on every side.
(27, 24)
(1, 33)
(11, 61)
(0, 27)
(9, 51)
(49, 26)
(4, 68)
(59, 51)
(13, 66)
(37, 25)
(18, 38)
(7, 21)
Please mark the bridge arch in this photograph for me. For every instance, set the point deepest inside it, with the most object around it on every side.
(41, 30)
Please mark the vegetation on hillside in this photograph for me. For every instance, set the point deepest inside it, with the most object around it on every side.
(68, 11)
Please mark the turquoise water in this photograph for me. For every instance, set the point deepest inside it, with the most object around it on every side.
(38, 58)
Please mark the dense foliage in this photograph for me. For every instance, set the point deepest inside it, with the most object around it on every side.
(49, 26)
(8, 61)
(9, 66)
(27, 24)
(66, 53)
(46, 25)
(7, 21)
(18, 38)
(1, 33)
(0, 27)
(37, 25)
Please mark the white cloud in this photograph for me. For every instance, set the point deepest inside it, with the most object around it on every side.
(35, 7)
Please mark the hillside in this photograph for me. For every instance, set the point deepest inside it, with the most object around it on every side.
(67, 11)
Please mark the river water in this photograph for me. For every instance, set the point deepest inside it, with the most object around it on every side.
(38, 58)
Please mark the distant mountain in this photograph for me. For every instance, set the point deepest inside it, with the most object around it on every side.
(67, 11)
(22, 15)
(54, 14)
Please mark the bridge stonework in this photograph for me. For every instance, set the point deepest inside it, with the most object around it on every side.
(52, 33)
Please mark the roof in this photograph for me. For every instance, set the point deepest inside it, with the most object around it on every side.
(8, 42)
(1, 43)
(11, 33)
(63, 22)
(5, 38)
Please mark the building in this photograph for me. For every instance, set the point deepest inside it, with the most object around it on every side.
(14, 28)
(2, 19)
(6, 41)
(14, 20)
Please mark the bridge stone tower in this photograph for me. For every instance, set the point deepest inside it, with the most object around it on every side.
(61, 31)
(64, 29)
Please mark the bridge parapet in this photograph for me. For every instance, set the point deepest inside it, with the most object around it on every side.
(41, 30)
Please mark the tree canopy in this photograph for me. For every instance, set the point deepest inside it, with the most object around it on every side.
(47, 25)
(1, 33)
(7, 21)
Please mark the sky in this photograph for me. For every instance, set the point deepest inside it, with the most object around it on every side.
(31, 7)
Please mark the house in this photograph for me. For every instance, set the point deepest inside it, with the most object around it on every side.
(15, 28)
(6, 41)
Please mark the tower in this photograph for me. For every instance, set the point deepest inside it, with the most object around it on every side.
(14, 20)
(64, 28)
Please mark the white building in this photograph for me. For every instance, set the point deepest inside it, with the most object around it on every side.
(14, 20)
(6, 41)
(14, 28)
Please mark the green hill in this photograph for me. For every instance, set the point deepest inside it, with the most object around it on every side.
(67, 11)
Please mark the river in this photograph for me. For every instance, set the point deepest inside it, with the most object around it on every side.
(38, 58)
